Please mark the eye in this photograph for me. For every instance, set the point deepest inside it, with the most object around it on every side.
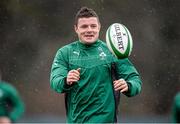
(93, 26)
(83, 26)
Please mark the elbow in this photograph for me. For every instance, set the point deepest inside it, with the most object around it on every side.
(55, 85)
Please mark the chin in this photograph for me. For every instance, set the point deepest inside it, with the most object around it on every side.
(90, 41)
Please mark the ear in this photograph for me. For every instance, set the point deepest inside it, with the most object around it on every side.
(99, 25)
(75, 28)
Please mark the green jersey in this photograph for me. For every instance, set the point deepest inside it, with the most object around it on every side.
(91, 99)
(11, 105)
(176, 109)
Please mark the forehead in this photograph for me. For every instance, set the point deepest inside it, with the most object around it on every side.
(90, 20)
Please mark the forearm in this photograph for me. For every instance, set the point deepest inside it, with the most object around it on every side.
(134, 86)
(59, 84)
(17, 111)
(18, 107)
(128, 72)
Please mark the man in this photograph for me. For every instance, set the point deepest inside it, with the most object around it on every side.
(176, 109)
(82, 70)
(11, 105)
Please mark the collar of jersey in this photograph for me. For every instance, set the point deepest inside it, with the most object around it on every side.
(89, 46)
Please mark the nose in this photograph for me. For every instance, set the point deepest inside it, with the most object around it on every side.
(89, 28)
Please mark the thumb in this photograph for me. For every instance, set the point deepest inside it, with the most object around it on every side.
(78, 69)
(121, 79)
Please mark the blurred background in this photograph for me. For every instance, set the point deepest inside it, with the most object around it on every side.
(31, 31)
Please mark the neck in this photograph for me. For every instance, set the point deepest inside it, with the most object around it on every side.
(86, 43)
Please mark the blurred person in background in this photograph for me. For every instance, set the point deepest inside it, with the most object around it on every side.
(82, 70)
(11, 105)
(176, 109)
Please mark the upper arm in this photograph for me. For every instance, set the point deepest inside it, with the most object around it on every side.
(127, 71)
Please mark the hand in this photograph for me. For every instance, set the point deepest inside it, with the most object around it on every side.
(5, 120)
(73, 76)
(121, 85)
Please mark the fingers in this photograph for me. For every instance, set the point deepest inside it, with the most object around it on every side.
(120, 85)
(73, 76)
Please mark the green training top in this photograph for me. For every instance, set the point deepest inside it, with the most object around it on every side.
(91, 100)
(176, 109)
(11, 104)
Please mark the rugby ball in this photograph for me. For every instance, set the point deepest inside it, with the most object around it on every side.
(119, 40)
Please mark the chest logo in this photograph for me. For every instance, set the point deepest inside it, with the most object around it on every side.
(75, 52)
(102, 55)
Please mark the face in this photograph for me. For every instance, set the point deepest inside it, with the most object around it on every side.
(87, 29)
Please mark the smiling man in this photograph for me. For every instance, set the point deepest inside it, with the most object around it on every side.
(87, 29)
(82, 70)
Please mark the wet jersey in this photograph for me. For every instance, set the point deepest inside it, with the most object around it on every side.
(91, 100)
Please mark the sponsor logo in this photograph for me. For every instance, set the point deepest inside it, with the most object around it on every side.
(119, 37)
(75, 52)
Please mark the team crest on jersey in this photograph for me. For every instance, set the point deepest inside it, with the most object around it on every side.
(102, 54)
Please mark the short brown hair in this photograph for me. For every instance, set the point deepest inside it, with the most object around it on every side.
(85, 12)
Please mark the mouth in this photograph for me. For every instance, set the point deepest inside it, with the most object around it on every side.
(89, 36)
